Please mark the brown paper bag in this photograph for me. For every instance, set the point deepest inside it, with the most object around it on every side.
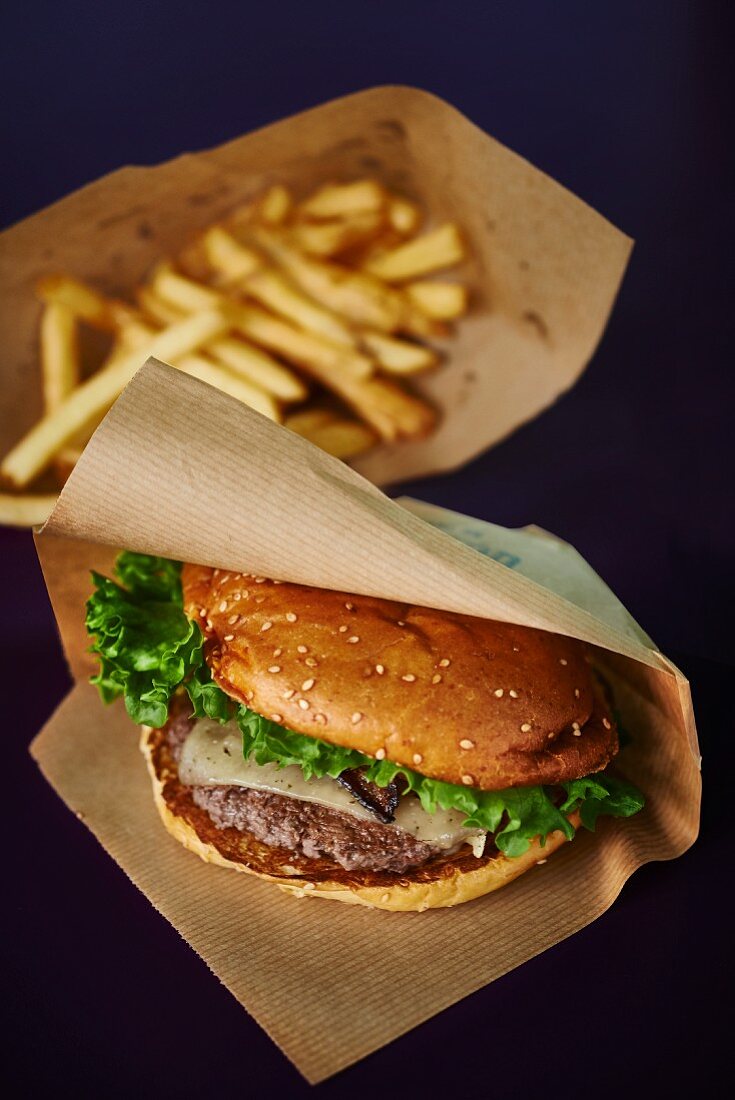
(544, 269)
(180, 470)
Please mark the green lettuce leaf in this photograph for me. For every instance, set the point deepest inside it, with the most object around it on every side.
(601, 794)
(148, 649)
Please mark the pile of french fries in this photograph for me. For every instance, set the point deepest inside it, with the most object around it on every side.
(310, 312)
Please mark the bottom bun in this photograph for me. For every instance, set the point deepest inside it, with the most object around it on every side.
(440, 883)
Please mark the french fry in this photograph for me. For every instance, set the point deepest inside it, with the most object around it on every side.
(252, 364)
(27, 509)
(321, 358)
(440, 248)
(399, 356)
(274, 290)
(275, 205)
(339, 200)
(440, 301)
(92, 398)
(324, 361)
(59, 354)
(303, 421)
(65, 462)
(342, 438)
(329, 285)
(226, 254)
(184, 293)
(393, 413)
(60, 372)
(257, 367)
(155, 308)
(331, 238)
(133, 333)
(403, 216)
(222, 379)
(357, 296)
(84, 302)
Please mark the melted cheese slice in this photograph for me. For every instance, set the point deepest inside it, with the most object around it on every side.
(212, 757)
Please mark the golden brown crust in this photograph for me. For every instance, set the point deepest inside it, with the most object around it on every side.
(440, 883)
(466, 700)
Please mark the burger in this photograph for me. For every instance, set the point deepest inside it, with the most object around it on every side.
(349, 747)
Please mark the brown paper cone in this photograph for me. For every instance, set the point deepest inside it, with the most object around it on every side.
(180, 470)
(544, 267)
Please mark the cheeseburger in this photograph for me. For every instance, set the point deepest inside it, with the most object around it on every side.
(349, 747)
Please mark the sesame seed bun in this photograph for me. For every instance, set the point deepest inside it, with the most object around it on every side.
(461, 699)
(441, 883)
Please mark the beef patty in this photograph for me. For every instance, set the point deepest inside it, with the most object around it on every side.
(311, 830)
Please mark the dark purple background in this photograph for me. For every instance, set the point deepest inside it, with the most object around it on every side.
(626, 104)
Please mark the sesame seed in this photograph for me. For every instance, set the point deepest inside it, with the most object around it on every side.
(540, 862)
(350, 606)
(307, 685)
(225, 578)
(249, 695)
(417, 758)
(513, 694)
(216, 573)
(465, 743)
(260, 580)
(237, 596)
(228, 637)
(563, 661)
(304, 704)
(301, 649)
(290, 617)
(577, 733)
(409, 677)
(245, 594)
(436, 678)
(380, 669)
(289, 694)
(401, 622)
(550, 737)
(277, 652)
(311, 662)
(343, 630)
(516, 649)
(353, 640)
(321, 719)
(575, 725)
(276, 717)
(498, 693)
(525, 728)
(444, 663)
(606, 724)
(275, 668)
(260, 599)
(576, 693)
(356, 717)
(223, 605)
(233, 619)
(209, 624)
(380, 754)
(467, 780)
(266, 626)
(202, 613)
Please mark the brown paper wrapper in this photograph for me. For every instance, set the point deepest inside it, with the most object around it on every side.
(180, 470)
(544, 267)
